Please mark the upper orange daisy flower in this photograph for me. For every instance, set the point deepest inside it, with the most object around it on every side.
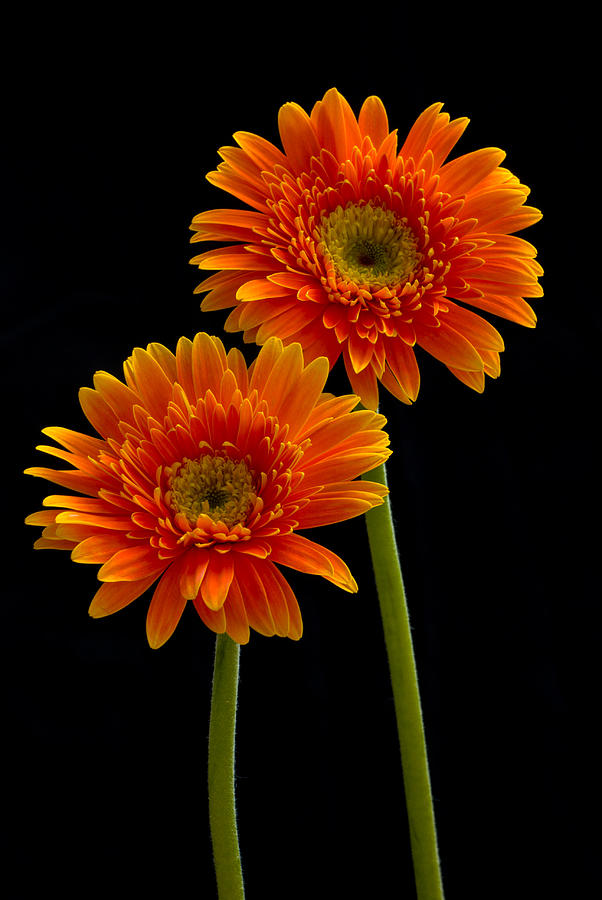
(203, 473)
(356, 248)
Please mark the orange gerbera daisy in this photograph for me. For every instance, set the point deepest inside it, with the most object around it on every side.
(202, 475)
(356, 248)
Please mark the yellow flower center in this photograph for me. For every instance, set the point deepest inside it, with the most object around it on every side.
(214, 486)
(369, 244)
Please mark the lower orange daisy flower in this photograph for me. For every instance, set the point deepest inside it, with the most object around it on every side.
(355, 248)
(203, 472)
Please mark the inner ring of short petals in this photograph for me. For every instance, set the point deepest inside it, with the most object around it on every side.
(215, 486)
(369, 245)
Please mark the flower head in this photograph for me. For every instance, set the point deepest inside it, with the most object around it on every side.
(203, 472)
(356, 248)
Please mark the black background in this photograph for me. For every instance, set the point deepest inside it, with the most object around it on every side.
(110, 129)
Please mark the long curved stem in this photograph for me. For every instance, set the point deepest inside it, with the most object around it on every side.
(402, 666)
(222, 806)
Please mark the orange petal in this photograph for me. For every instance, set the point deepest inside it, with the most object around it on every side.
(513, 308)
(331, 509)
(509, 245)
(391, 383)
(416, 142)
(284, 374)
(260, 289)
(515, 221)
(43, 543)
(255, 314)
(348, 431)
(193, 569)
(254, 597)
(116, 523)
(295, 627)
(98, 413)
(360, 351)
(304, 395)
(228, 388)
(237, 257)
(152, 383)
(336, 125)
(443, 139)
(222, 287)
(80, 462)
(74, 481)
(98, 548)
(293, 281)
(373, 120)
(237, 623)
(237, 364)
(348, 462)
(43, 517)
(476, 329)
(512, 289)
(239, 187)
(474, 380)
(298, 136)
(79, 533)
(450, 347)
(262, 367)
(462, 174)
(207, 366)
(264, 154)
(131, 564)
(304, 555)
(166, 607)
(165, 358)
(488, 206)
(184, 368)
(82, 444)
(491, 362)
(240, 164)
(114, 595)
(217, 580)
(363, 488)
(118, 395)
(363, 383)
(83, 504)
(239, 222)
(213, 619)
(402, 362)
(289, 322)
(275, 599)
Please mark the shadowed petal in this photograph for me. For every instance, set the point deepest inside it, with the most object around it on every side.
(99, 547)
(298, 136)
(450, 347)
(253, 594)
(131, 564)
(193, 569)
(299, 553)
(166, 608)
(217, 580)
(113, 596)
(237, 622)
(373, 120)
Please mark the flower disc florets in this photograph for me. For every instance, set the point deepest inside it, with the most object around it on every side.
(212, 486)
(369, 245)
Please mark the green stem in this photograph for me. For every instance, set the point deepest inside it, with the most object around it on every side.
(402, 666)
(222, 807)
